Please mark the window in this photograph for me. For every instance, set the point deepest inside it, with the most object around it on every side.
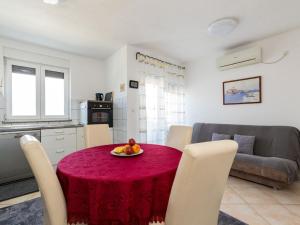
(161, 105)
(36, 92)
(23, 77)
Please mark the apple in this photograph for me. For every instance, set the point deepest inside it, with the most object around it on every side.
(131, 142)
(128, 150)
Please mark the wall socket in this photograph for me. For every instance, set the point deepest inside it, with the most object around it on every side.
(122, 87)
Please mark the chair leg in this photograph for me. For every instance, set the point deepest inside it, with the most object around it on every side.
(46, 218)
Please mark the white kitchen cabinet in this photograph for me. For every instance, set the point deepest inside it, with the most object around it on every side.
(59, 131)
(59, 142)
(80, 138)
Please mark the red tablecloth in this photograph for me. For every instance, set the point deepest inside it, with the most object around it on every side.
(102, 189)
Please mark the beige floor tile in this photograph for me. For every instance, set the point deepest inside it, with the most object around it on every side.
(20, 199)
(231, 197)
(236, 182)
(253, 195)
(285, 196)
(263, 187)
(244, 213)
(276, 214)
(295, 209)
(295, 187)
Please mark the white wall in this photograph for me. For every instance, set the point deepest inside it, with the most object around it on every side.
(116, 74)
(116, 70)
(87, 74)
(280, 87)
(88, 77)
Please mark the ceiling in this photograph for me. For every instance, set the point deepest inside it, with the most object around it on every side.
(176, 28)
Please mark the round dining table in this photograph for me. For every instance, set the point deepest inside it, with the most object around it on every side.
(103, 189)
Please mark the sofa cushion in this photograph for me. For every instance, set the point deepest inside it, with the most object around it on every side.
(278, 169)
(219, 137)
(270, 141)
(245, 142)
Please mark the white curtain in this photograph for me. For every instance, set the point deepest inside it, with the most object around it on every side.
(161, 99)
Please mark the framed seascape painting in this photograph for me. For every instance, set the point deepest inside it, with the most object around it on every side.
(242, 91)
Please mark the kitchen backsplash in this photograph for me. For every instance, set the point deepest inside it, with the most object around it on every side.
(2, 108)
(75, 110)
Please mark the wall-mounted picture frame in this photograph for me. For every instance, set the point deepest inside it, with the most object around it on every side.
(242, 91)
(134, 84)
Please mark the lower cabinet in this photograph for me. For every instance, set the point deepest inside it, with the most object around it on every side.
(59, 142)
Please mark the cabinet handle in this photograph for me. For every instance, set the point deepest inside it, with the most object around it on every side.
(99, 108)
(60, 150)
(21, 135)
(18, 135)
(59, 139)
(59, 132)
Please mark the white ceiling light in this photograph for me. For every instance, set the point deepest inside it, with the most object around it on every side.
(51, 2)
(222, 27)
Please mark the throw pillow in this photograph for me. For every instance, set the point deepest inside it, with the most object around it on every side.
(219, 137)
(246, 143)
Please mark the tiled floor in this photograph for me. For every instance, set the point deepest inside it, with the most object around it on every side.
(252, 203)
(259, 205)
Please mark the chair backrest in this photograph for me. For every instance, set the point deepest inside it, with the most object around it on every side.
(200, 182)
(179, 136)
(97, 134)
(51, 191)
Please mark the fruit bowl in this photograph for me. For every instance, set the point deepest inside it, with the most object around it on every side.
(125, 155)
(130, 149)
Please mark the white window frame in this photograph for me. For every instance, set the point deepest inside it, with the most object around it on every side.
(66, 94)
(40, 92)
(8, 88)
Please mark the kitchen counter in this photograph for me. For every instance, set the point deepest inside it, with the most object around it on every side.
(12, 128)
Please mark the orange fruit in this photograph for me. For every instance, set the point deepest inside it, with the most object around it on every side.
(136, 148)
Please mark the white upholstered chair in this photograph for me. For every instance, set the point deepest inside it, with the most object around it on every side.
(53, 198)
(54, 202)
(97, 134)
(179, 136)
(199, 183)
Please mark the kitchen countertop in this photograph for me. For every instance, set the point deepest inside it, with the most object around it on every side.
(12, 128)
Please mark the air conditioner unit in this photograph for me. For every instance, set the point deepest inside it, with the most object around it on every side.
(240, 58)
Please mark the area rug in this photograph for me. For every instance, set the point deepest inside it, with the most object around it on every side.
(16, 189)
(31, 213)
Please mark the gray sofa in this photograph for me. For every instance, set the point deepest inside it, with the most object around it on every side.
(276, 158)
